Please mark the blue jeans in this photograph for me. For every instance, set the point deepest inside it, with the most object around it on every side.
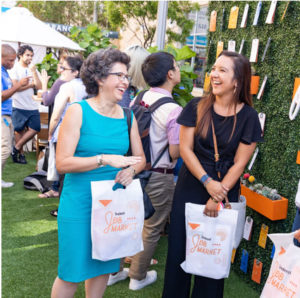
(296, 225)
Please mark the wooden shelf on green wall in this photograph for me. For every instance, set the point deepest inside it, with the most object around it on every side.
(274, 210)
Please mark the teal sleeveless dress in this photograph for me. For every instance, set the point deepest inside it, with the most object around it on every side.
(98, 135)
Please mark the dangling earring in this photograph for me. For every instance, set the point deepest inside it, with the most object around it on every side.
(234, 91)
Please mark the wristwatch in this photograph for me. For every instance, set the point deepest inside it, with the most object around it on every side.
(100, 160)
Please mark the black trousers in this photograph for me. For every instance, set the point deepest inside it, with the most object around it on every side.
(177, 283)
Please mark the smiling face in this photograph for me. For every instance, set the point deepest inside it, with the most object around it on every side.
(26, 58)
(222, 77)
(66, 72)
(115, 84)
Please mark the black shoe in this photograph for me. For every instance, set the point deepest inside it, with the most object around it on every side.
(54, 212)
(22, 159)
(15, 155)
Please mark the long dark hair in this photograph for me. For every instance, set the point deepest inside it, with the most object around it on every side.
(242, 75)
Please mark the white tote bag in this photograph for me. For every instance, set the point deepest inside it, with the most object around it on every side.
(117, 220)
(209, 241)
(241, 208)
(52, 174)
(284, 277)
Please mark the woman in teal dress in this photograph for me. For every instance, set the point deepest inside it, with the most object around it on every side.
(92, 142)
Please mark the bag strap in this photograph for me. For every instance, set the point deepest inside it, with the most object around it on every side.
(217, 157)
(127, 112)
(140, 97)
(157, 104)
(161, 102)
(128, 116)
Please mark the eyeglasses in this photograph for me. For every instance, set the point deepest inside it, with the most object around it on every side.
(121, 76)
(65, 68)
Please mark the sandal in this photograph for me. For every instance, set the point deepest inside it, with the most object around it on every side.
(54, 212)
(49, 194)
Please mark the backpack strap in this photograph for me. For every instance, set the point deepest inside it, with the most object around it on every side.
(161, 102)
(127, 112)
(140, 97)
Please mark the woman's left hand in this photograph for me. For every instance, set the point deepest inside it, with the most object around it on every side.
(125, 176)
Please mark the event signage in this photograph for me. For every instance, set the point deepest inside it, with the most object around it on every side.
(67, 28)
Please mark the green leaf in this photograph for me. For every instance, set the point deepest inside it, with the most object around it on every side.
(185, 53)
(83, 44)
(91, 28)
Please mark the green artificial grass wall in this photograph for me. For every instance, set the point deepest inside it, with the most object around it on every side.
(275, 165)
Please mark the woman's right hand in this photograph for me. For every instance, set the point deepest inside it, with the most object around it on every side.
(120, 161)
(44, 79)
(216, 190)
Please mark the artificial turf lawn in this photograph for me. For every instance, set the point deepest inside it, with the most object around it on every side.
(30, 251)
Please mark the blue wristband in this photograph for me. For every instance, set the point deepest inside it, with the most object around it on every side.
(204, 178)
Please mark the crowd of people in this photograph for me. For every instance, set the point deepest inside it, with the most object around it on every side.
(88, 126)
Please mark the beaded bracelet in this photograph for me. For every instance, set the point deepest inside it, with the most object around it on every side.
(207, 181)
(204, 178)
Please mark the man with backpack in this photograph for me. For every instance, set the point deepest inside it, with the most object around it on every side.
(162, 74)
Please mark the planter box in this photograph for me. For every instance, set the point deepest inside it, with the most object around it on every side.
(274, 210)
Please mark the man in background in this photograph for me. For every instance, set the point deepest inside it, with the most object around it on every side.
(25, 113)
(8, 57)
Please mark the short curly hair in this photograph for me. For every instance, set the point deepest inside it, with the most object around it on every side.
(22, 50)
(98, 65)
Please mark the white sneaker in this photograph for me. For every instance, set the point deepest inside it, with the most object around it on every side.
(6, 184)
(139, 284)
(118, 277)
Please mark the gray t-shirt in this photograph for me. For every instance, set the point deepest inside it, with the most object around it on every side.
(22, 100)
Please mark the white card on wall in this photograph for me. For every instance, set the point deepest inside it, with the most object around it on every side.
(262, 88)
(241, 46)
(271, 13)
(262, 120)
(245, 16)
(257, 13)
(254, 50)
(248, 228)
(231, 45)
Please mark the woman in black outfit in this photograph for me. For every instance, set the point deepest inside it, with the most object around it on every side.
(228, 107)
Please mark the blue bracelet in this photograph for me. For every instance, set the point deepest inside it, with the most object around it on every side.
(204, 178)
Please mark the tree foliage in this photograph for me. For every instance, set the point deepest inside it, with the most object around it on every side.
(182, 91)
(119, 14)
(90, 38)
(74, 13)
